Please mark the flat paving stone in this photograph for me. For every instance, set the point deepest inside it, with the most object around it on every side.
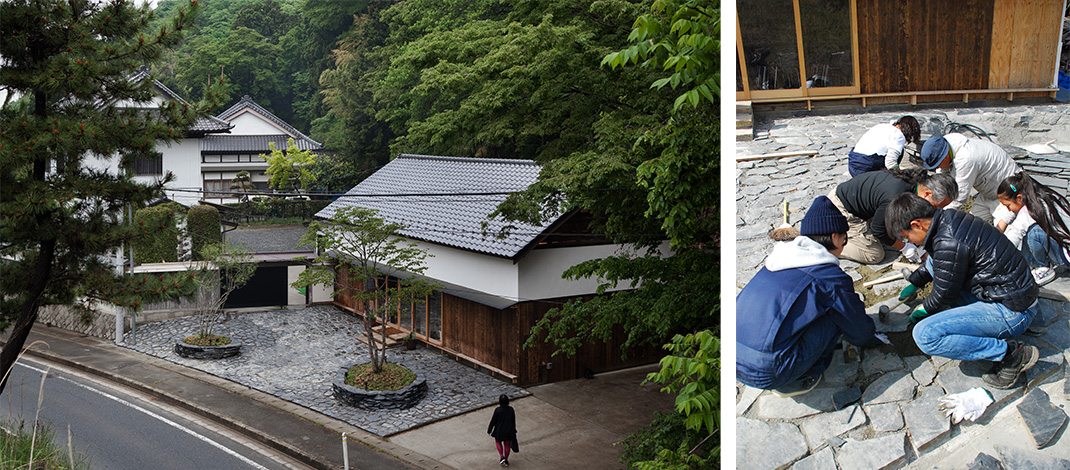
(1041, 418)
(750, 394)
(885, 417)
(921, 368)
(767, 445)
(1018, 458)
(984, 461)
(825, 425)
(877, 453)
(845, 397)
(877, 362)
(891, 387)
(840, 372)
(816, 401)
(967, 375)
(820, 460)
(925, 421)
(1048, 368)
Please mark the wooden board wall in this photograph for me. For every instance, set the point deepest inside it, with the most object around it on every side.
(918, 45)
(1025, 35)
(480, 332)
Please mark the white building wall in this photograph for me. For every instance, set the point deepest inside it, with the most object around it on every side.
(183, 158)
(540, 271)
(248, 123)
(484, 273)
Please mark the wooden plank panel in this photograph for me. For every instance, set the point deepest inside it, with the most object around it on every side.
(1048, 30)
(1003, 36)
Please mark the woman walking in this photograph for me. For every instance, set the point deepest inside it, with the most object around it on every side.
(503, 429)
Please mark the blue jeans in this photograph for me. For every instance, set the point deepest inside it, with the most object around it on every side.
(810, 356)
(971, 331)
(1041, 250)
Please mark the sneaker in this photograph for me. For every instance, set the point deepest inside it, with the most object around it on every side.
(501, 461)
(1019, 358)
(798, 387)
(1043, 275)
(505, 463)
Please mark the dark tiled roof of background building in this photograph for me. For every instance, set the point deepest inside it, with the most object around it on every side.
(250, 143)
(451, 219)
(203, 125)
(247, 102)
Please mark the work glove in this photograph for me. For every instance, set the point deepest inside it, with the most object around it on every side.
(918, 314)
(883, 338)
(970, 404)
(909, 291)
(912, 253)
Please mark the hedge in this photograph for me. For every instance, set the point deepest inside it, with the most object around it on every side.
(158, 240)
(204, 229)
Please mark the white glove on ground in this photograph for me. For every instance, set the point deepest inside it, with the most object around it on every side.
(884, 338)
(912, 252)
(970, 404)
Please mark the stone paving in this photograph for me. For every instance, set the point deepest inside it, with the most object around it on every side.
(294, 355)
(879, 410)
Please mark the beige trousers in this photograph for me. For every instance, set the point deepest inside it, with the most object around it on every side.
(861, 246)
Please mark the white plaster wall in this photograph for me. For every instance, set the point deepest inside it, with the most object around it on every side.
(248, 123)
(540, 271)
(293, 297)
(483, 273)
(183, 158)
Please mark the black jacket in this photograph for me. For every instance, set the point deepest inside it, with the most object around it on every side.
(867, 195)
(503, 424)
(968, 253)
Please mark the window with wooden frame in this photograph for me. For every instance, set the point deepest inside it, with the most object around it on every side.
(796, 48)
(421, 317)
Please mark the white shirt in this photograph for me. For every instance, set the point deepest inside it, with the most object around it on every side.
(978, 164)
(883, 139)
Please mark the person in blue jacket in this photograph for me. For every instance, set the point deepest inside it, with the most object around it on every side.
(791, 314)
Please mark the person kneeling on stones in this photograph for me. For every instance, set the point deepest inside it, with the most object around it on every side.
(983, 293)
(863, 200)
(790, 316)
(1036, 224)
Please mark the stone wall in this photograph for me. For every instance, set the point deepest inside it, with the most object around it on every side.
(101, 325)
(374, 400)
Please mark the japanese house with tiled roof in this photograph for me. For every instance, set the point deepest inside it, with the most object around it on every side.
(254, 130)
(493, 289)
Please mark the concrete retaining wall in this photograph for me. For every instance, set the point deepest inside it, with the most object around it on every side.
(101, 325)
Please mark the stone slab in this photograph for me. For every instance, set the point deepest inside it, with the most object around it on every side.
(823, 426)
(767, 445)
(845, 397)
(877, 362)
(841, 373)
(816, 401)
(1048, 368)
(1018, 458)
(890, 387)
(897, 321)
(877, 453)
(1041, 418)
(942, 363)
(1057, 333)
(746, 399)
(922, 369)
(967, 375)
(820, 460)
(926, 423)
(885, 417)
(984, 461)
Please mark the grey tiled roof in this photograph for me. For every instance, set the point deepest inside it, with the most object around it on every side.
(205, 125)
(247, 102)
(269, 240)
(450, 219)
(249, 143)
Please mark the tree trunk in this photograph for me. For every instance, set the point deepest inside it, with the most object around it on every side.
(368, 324)
(24, 323)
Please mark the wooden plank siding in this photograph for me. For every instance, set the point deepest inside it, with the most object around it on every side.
(917, 45)
(1025, 38)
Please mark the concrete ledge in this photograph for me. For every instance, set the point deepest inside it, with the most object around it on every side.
(407, 397)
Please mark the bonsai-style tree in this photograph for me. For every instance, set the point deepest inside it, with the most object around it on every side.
(242, 182)
(72, 106)
(358, 253)
(225, 268)
(290, 168)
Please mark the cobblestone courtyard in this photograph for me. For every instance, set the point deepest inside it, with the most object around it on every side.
(879, 411)
(294, 355)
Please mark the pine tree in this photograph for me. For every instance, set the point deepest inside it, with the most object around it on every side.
(71, 106)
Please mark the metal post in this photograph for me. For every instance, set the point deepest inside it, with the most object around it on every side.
(345, 451)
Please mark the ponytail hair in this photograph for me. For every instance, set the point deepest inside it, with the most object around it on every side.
(1043, 203)
(910, 127)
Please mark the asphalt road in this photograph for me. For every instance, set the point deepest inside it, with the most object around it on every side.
(119, 429)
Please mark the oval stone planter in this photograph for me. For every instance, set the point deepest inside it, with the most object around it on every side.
(373, 400)
(191, 351)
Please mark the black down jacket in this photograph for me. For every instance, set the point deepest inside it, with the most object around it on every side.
(968, 253)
